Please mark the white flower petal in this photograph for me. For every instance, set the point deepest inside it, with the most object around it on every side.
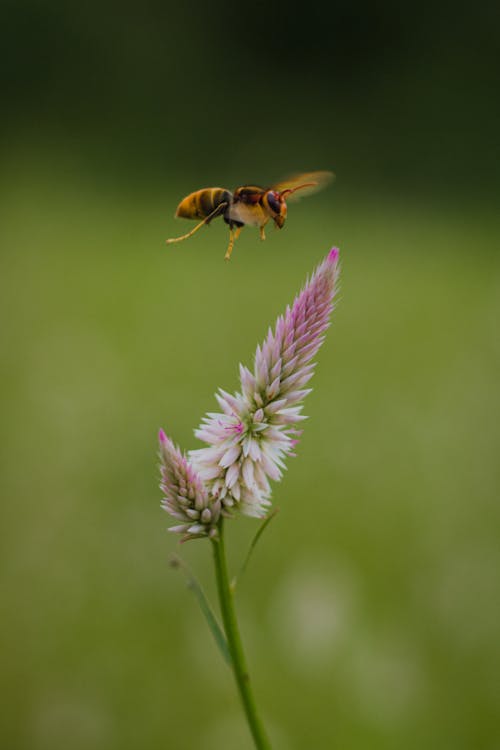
(232, 475)
(247, 472)
(254, 450)
(271, 468)
(230, 456)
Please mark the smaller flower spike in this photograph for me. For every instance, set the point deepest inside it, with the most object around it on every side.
(257, 429)
(185, 496)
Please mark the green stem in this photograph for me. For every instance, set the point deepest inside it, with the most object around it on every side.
(226, 600)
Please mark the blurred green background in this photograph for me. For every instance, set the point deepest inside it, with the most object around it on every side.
(371, 611)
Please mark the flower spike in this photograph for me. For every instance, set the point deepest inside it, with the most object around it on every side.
(185, 496)
(249, 440)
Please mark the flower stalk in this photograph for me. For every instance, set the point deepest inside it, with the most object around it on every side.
(247, 443)
(238, 660)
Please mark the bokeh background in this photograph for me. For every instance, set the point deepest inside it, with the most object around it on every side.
(371, 610)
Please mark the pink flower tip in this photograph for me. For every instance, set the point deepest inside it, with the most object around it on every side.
(162, 437)
(333, 255)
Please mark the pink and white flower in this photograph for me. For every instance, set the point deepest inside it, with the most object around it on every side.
(185, 496)
(257, 427)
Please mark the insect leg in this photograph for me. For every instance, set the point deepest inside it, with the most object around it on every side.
(233, 236)
(220, 208)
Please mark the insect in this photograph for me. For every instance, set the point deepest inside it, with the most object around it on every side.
(248, 205)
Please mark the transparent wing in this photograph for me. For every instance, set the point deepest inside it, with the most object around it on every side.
(300, 185)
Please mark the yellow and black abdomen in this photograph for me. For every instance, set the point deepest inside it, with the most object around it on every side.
(202, 203)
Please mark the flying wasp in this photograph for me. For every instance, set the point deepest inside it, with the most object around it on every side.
(248, 205)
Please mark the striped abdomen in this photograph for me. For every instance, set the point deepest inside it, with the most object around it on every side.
(203, 202)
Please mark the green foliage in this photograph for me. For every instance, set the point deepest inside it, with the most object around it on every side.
(205, 606)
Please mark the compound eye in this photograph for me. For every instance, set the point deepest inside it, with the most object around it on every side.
(273, 199)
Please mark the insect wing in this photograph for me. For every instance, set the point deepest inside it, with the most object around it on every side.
(300, 185)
